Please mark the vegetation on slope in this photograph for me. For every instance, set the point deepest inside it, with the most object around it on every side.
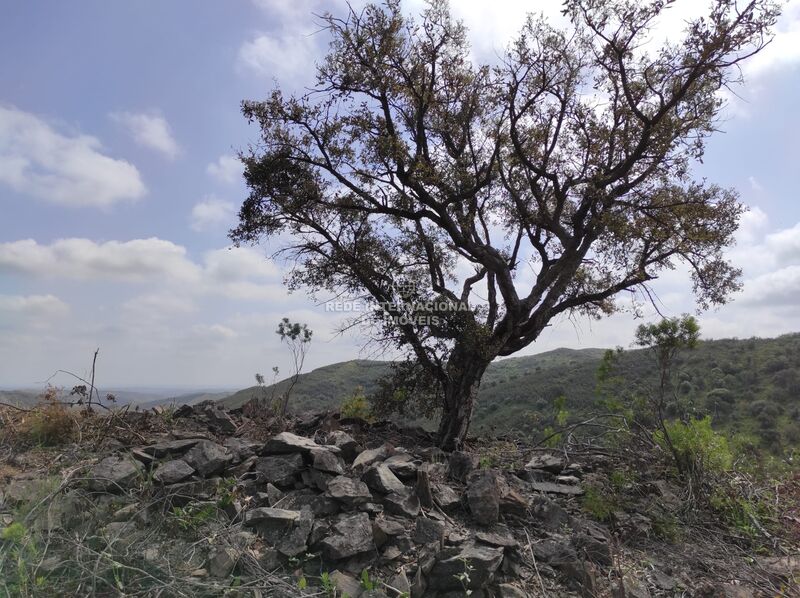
(750, 387)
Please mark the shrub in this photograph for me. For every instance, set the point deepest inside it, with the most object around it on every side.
(49, 423)
(699, 449)
(597, 504)
(356, 406)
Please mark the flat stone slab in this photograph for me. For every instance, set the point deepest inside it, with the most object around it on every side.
(551, 488)
(286, 442)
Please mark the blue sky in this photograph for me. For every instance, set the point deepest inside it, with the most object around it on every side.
(118, 123)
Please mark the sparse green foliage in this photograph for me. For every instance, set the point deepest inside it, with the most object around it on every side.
(366, 582)
(699, 449)
(297, 337)
(597, 504)
(356, 405)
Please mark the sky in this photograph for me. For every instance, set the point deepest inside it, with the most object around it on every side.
(119, 126)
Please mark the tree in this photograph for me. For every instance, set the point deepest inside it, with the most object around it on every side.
(472, 204)
(297, 338)
(665, 340)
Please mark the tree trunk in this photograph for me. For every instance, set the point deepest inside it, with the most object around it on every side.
(460, 393)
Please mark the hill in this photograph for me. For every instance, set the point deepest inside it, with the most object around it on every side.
(751, 387)
(144, 399)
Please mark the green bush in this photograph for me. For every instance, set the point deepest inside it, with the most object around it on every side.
(698, 448)
(356, 406)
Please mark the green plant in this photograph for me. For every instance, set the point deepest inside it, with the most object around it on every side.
(464, 578)
(297, 338)
(367, 583)
(356, 406)
(597, 504)
(14, 533)
(327, 584)
(666, 527)
(698, 449)
(193, 517)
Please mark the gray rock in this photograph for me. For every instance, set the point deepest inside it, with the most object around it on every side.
(274, 495)
(242, 448)
(370, 456)
(179, 495)
(461, 465)
(405, 503)
(274, 525)
(286, 442)
(567, 479)
(346, 584)
(348, 491)
(483, 497)
(399, 585)
(500, 536)
(402, 465)
(279, 469)
(172, 472)
(592, 542)
(385, 529)
(326, 461)
(444, 496)
(428, 530)
(222, 563)
(350, 534)
(320, 505)
(173, 447)
(243, 468)
(381, 479)
(553, 552)
(261, 515)
(551, 488)
(549, 513)
(314, 478)
(506, 590)
(467, 568)
(114, 474)
(547, 462)
(295, 542)
(218, 418)
(208, 458)
(345, 443)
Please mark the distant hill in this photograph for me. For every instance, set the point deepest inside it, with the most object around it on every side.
(749, 386)
(324, 387)
(29, 397)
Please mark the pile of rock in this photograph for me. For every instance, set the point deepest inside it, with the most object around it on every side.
(424, 523)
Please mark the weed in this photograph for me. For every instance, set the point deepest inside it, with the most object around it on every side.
(598, 505)
(367, 583)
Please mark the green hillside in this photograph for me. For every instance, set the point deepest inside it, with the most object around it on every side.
(750, 387)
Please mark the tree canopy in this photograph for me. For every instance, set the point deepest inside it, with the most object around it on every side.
(472, 203)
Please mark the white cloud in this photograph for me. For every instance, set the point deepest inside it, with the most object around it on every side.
(212, 332)
(156, 305)
(774, 289)
(784, 50)
(227, 169)
(240, 273)
(149, 130)
(212, 213)
(32, 306)
(785, 244)
(289, 54)
(70, 170)
(82, 259)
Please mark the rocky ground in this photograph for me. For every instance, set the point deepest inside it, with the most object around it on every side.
(203, 502)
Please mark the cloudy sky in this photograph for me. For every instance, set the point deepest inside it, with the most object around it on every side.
(119, 122)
